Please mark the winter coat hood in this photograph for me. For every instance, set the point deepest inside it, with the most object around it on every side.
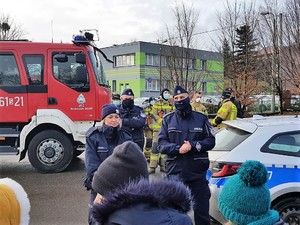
(164, 196)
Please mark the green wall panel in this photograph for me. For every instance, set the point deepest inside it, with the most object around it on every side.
(140, 58)
(216, 66)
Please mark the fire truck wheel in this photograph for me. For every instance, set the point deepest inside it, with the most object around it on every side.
(50, 151)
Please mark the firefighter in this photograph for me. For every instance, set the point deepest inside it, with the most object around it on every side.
(159, 109)
(196, 104)
(227, 111)
(234, 100)
(148, 132)
(116, 99)
(133, 117)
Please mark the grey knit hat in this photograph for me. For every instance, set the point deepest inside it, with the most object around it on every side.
(127, 163)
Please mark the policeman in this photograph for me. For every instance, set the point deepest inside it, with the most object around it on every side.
(196, 104)
(159, 109)
(148, 132)
(186, 136)
(133, 117)
(227, 111)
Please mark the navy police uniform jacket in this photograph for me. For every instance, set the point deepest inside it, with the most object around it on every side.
(198, 131)
(98, 149)
(134, 121)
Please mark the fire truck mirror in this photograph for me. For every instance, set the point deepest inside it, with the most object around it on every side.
(81, 74)
(80, 58)
(61, 58)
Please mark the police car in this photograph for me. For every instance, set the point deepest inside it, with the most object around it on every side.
(274, 141)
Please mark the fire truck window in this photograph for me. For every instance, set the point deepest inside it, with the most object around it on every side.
(34, 66)
(9, 72)
(65, 71)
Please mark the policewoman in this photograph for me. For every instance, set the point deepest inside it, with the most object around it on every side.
(186, 136)
(100, 143)
(133, 117)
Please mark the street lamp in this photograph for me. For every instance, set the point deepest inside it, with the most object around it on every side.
(277, 55)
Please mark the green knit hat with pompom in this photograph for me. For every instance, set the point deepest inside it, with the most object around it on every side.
(245, 198)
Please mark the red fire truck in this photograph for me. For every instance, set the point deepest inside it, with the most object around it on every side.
(50, 94)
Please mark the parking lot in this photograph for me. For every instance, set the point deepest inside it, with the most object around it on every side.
(56, 198)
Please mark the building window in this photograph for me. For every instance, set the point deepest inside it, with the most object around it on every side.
(152, 60)
(124, 60)
(204, 87)
(190, 63)
(152, 85)
(121, 88)
(114, 86)
(203, 65)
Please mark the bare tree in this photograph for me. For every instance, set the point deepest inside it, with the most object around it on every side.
(280, 34)
(9, 30)
(290, 46)
(178, 56)
(239, 19)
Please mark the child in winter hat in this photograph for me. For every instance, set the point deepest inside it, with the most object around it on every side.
(127, 163)
(14, 203)
(245, 198)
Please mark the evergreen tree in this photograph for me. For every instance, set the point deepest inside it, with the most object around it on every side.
(245, 49)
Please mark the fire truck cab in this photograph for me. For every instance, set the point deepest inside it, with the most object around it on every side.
(50, 95)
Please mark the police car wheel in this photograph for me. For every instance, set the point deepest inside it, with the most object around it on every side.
(50, 151)
(289, 210)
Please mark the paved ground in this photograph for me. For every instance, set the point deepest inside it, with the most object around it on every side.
(56, 199)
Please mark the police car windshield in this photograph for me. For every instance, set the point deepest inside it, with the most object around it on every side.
(228, 138)
(97, 67)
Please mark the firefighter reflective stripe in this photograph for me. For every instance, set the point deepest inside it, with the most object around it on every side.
(233, 112)
(163, 106)
(159, 109)
(154, 126)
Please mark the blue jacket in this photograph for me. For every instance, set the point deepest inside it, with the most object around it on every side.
(198, 131)
(98, 149)
(134, 120)
(161, 202)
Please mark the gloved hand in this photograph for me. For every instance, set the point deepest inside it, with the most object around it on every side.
(87, 182)
(213, 123)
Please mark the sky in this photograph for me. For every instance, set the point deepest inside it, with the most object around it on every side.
(118, 21)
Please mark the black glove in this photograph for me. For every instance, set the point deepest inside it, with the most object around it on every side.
(87, 182)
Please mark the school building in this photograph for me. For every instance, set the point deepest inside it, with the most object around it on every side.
(141, 66)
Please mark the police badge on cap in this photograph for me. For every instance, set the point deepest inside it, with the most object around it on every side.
(128, 92)
(179, 90)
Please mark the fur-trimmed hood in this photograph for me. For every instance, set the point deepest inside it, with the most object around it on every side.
(162, 194)
(15, 205)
